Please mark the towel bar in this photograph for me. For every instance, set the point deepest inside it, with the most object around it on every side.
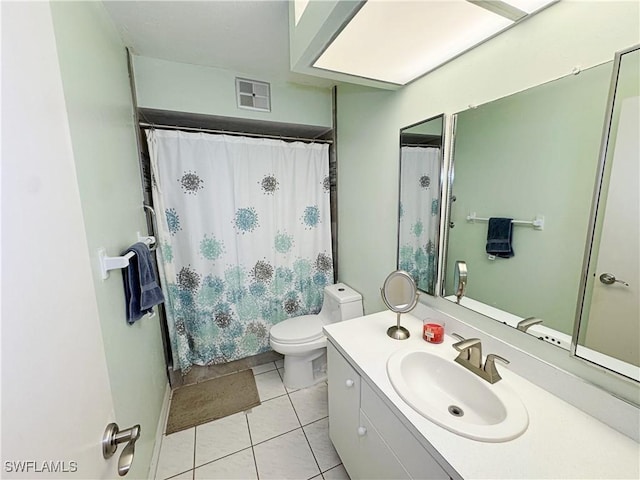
(112, 263)
(537, 223)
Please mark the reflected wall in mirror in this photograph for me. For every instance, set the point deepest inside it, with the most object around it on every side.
(419, 211)
(533, 154)
(608, 331)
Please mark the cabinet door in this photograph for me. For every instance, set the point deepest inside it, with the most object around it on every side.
(413, 456)
(377, 461)
(344, 409)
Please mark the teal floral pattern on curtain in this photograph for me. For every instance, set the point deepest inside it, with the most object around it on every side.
(419, 214)
(245, 239)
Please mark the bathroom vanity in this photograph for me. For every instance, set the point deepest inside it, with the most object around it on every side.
(378, 435)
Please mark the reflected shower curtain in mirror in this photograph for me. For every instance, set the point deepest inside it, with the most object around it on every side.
(419, 214)
(245, 239)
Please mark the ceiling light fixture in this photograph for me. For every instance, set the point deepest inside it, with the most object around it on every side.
(398, 41)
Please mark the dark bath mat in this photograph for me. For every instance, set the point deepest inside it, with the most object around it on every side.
(206, 401)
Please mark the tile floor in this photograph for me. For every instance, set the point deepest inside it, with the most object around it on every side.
(286, 437)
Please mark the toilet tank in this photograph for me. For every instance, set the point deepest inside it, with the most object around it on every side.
(341, 302)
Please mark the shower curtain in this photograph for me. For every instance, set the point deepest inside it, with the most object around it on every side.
(419, 214)
(245, 239)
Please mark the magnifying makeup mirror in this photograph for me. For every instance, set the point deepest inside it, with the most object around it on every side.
(400, 295)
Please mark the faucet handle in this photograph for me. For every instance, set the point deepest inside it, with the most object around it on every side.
(470, 350)
(467, 343)
(459, 337)
(490, 367)
(523, 325)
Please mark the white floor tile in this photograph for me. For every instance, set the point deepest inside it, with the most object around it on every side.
(176, 454)
(240, 466)
(311, 403)
(318, 435)
(273, 417)
(289, 390)
(280, 363)
(336, 473)
(269, 385)
(184, 476)
(285, 457)
(221, 437)
(266, 367)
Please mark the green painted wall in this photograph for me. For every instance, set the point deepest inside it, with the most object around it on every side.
(534, 152)
(96, 86)
(542, 48)
(190, 88)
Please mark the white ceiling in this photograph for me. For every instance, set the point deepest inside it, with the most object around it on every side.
(250, 37)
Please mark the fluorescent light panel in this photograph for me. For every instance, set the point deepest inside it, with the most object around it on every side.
(397, 41)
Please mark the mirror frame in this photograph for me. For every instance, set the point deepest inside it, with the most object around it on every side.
(441, 188)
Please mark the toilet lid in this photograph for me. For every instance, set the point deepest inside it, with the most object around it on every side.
(297, 329)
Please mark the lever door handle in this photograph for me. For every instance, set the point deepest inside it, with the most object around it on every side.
(112, 437)
(610, 279)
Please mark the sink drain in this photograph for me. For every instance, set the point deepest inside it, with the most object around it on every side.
(456, 411)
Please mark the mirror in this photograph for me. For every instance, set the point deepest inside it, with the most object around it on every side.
(532, 158)
(400, 295)
(608, 329)
(419, 211)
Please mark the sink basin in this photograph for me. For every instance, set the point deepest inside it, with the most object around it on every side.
(455, 398)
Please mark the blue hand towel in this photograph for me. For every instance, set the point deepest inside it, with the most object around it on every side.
(141, 288)
(500, 237)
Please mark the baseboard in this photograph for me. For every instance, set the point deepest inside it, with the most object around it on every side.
(162, 421)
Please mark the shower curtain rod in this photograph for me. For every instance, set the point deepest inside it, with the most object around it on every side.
(227, 132)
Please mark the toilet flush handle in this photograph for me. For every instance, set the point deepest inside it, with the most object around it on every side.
(349, 383)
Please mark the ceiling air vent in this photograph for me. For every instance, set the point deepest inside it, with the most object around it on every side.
(253, 95)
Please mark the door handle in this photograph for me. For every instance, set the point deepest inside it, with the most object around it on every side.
(112, 437)
(610, 279)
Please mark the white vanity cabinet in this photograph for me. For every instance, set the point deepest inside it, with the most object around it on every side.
(370, 439)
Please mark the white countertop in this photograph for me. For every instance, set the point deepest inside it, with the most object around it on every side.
(561, 441)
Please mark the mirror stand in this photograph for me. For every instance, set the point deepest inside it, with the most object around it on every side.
(397, 331)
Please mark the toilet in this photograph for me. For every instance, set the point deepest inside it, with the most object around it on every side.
(302, 342)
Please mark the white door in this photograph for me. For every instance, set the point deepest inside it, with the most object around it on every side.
(614, 317)
(56, 397)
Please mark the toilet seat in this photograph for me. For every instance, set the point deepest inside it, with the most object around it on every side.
(304, 329)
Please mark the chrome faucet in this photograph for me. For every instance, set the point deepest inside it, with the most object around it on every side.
(470, 357)
(470, 352)
(523, 325)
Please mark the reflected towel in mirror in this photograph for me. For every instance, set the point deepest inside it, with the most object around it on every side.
(500, 237)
